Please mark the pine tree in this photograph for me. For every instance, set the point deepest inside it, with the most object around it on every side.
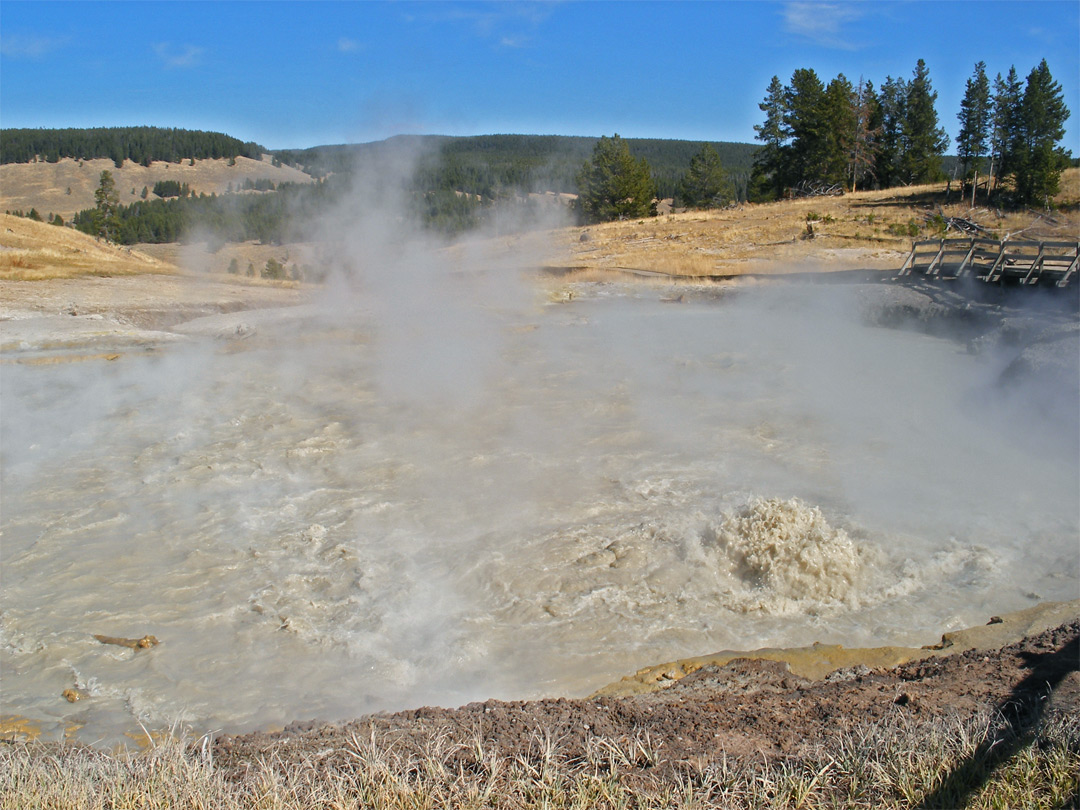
(767, 176)
(863, 153)
(888, 122)
(975, 121)
(706, 184)
(840, 121)
(613, 185)
(1042, 114)
(107, 201)
(809, 150)
(274, 269)
(925, 141)
(1005, 137)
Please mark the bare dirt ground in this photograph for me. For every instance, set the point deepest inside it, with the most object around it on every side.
(64, 292)
(746, 707)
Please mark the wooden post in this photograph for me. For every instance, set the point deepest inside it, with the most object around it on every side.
(909, 262)
(999, 262)
(974, 185)
(1064, 280)
(963, 265)
(935, 263)
(1036, 266)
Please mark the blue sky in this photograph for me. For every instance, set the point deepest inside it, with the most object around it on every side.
(297, 74)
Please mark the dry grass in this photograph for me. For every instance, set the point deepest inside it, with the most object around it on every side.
(869, 229)
(45, 186)
(31, 251)
(1069, 193)
(979, 762)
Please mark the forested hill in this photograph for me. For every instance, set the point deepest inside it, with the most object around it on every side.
(488, 165)
(491, 164)
(139, 144)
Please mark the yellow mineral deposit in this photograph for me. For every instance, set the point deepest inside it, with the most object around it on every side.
(818, 660)
(143, 643)
(17, 727)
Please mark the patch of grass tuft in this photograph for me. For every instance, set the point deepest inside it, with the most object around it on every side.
(893, 764)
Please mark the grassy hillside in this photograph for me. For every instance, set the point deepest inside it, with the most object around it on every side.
(68, 185)
(867, 229)
(32, 251)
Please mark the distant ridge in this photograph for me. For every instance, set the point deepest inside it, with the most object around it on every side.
(481, 164)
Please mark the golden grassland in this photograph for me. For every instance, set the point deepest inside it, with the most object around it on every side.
(68, 186)
(975, 762)
(33, 251)
(37, 251)
(867, 229)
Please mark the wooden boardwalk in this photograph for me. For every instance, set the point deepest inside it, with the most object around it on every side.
(1012, 262)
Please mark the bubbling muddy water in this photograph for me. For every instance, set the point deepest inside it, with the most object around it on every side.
(334, 518)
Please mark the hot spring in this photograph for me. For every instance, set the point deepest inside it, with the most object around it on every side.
(432, 496)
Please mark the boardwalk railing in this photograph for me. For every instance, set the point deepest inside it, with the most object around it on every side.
(1019, 262)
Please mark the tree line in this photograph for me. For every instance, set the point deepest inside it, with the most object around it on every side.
(139, 144)
(269, 218)
(855, 136)
(1015, 132)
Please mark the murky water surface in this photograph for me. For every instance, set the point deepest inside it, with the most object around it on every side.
(345, 515)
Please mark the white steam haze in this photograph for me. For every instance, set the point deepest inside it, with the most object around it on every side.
(433, 486)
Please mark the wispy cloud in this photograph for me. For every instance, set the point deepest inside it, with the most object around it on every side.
(183, 56)
(1044, 36)
(822, 23)
(346, 45)
(23, 46)
(501, 22)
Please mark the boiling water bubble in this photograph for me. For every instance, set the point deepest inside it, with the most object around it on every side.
(783, 557)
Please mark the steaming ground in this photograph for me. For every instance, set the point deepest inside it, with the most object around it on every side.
(432, 493)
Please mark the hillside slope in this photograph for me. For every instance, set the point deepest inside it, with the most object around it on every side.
(68, 186)
(32, 251)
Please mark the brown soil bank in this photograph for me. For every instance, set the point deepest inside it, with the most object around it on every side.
(742, 709)
(978, 729)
